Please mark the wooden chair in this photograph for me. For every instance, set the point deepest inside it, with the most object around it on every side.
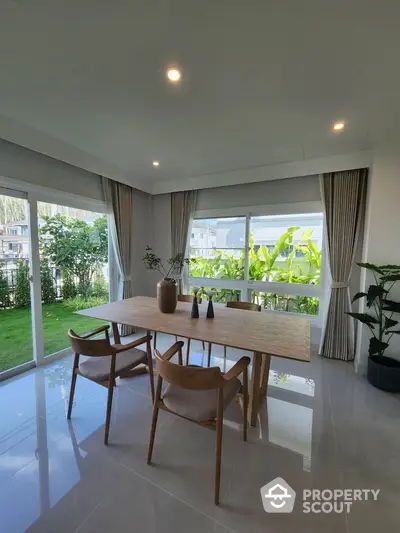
(183, 298)
(199, 395)
(106, 362)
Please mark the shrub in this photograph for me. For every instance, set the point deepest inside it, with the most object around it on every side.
(4, 291)
(22, 295)
(99, 288)
(48, 291)
(79, 302)
(68, 286)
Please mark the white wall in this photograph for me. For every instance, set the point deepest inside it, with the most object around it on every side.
(283, 191)
(161, 237)
(142, 234)
(26, 165)
(381, 245)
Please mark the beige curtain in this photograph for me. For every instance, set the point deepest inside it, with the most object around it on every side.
(183, 205)
(119, 200)
(344, 197)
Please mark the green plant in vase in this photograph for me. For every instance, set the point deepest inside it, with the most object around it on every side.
(383, 371)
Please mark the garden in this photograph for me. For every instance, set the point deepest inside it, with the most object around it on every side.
(283, 262)
(73, 257)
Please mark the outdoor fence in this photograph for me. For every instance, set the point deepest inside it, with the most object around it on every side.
(10, 275)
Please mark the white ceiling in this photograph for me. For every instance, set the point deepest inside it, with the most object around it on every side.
(83, 81)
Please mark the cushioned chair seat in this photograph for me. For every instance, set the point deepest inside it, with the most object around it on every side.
(98, 368)
(200, 405)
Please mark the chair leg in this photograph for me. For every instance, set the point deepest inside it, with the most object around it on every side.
(180, 357)
(265, 374)
(109, 406)
(187, 352)
(109, 399)
(73, 383)
(155, 341)
(218, 446)
(224, 352)
(245, 401)
(150, 367)
(203, 345)
(154, 420)
(209, 354)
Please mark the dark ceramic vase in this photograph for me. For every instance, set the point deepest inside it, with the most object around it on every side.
(384, 373)
(167, 295)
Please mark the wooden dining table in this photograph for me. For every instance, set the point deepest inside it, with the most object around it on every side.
(266, 334)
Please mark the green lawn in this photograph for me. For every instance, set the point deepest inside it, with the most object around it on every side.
(16, 332)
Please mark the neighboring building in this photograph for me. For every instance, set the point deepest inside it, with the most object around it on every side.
(14, 241)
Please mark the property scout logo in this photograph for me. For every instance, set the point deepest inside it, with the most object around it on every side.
(278, 497)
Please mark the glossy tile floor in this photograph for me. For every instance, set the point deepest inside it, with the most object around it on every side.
(321, 427)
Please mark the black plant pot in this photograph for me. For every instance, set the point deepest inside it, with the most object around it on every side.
(384, 373)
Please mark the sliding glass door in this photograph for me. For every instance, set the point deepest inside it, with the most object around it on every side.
(53, 262)
(16, 340)
(73, 248)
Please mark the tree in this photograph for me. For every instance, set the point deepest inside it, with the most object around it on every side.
(4, 290)
(46, 281)
(22, 295)
(75, 246)
(68, 290)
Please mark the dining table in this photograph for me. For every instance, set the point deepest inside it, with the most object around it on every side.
(266, 334)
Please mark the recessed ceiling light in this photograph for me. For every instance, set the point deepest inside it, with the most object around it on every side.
(174, 74)
(156, 163)
(338, 126)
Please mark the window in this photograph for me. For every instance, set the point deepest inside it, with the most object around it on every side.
(286, 249)
(273, 260)
(217, 248)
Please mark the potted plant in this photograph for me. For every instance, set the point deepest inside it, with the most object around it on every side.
(383, 371)
(166, 287)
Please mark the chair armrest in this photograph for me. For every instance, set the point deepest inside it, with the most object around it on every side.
(238, 368)
(172, 351)
(123, 347)
(95, 332)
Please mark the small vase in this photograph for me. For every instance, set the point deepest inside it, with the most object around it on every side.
(195, 304)
(210, 308)
(167, 295)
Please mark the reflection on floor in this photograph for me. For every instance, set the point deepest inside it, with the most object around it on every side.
(321, 427)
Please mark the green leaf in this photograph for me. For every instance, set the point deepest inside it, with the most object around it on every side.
(396, 331)
(372, 267)
(358, 296)
(389, 267)
(392, 306)
(364, 318)
(375, 292)
(389, 323)
(391, 277)
(376, 346)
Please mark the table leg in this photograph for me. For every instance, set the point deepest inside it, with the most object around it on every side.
(117, 338)
(266, 363)
(255, 388)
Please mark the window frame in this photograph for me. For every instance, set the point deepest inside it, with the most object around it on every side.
(246, 285)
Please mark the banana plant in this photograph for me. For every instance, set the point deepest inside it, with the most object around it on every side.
(379, 319)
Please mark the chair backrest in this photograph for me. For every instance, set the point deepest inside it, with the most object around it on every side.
(91, 347)
(188, 298)
(246, 306)
(189, 377)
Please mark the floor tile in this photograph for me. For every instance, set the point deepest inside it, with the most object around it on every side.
(321, 427)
